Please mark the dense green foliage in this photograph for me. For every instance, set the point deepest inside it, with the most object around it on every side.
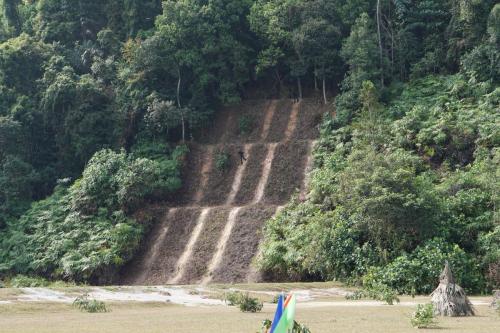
(82, 231)
(96, 94)
(406, 174)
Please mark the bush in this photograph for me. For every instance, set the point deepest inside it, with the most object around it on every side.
(84, 232)
(232, 298)
(222, 161)
(423, 317)
(419, 271)
(89, 305)
(244, 301)
(250, 304)
(23, 281)
(297, 327)
(245, 124)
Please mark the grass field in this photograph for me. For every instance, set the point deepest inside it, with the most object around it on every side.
(329, 314)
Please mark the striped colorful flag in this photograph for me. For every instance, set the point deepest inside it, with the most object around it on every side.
(287, 319)
(277, 315)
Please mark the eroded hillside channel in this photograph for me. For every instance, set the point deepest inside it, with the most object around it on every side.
(210, 232)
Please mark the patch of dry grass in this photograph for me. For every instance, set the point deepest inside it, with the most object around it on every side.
(164, 317)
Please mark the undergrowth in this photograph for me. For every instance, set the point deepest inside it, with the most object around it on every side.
(85, 304)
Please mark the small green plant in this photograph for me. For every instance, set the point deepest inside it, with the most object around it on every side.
(250, 304)
(423, 317)
(89, 305)
(244, 301)
(297, 327)
(232, 298)
(222, 161)
(245, 124)
(23, 281)
(2, 285)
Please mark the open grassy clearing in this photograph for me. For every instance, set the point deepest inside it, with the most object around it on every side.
(162, 317)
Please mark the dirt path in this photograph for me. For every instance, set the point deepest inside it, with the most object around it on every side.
(292, 122)
(235, 187)
(205, 171)
(267, 164)
(268, 120)
(186, 255)
(221, 246)
(152, 253)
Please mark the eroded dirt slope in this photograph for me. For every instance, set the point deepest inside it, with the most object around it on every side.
(211, 229)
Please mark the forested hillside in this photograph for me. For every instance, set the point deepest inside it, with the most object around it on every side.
(98, 99)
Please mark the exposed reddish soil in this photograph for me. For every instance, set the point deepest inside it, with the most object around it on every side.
(287, 172)
(242, 244)
(205, 247)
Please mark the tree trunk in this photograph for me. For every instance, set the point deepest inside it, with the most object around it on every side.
(299, 84)
(315, 79)
(324, 90)
(183, 127)
(379, 35)
(183, 122)
(179, 88)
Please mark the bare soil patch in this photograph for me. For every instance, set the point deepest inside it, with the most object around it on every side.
(242, 244)
(192, 174)
(287, 172)
(252, 175)
(205, 246)
(220, 181)
(133, 271)
(309, 119)
(181, 225)
(226, 125)
(280, 121)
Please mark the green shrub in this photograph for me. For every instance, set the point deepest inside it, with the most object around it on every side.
(23, 281)
(297, 327)
(418, 272)
(423, 317)
(222, 161)
(89, 305)
(83, 232)
(250, 304)
(243, 301)
(245, 124)
(232, 298)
